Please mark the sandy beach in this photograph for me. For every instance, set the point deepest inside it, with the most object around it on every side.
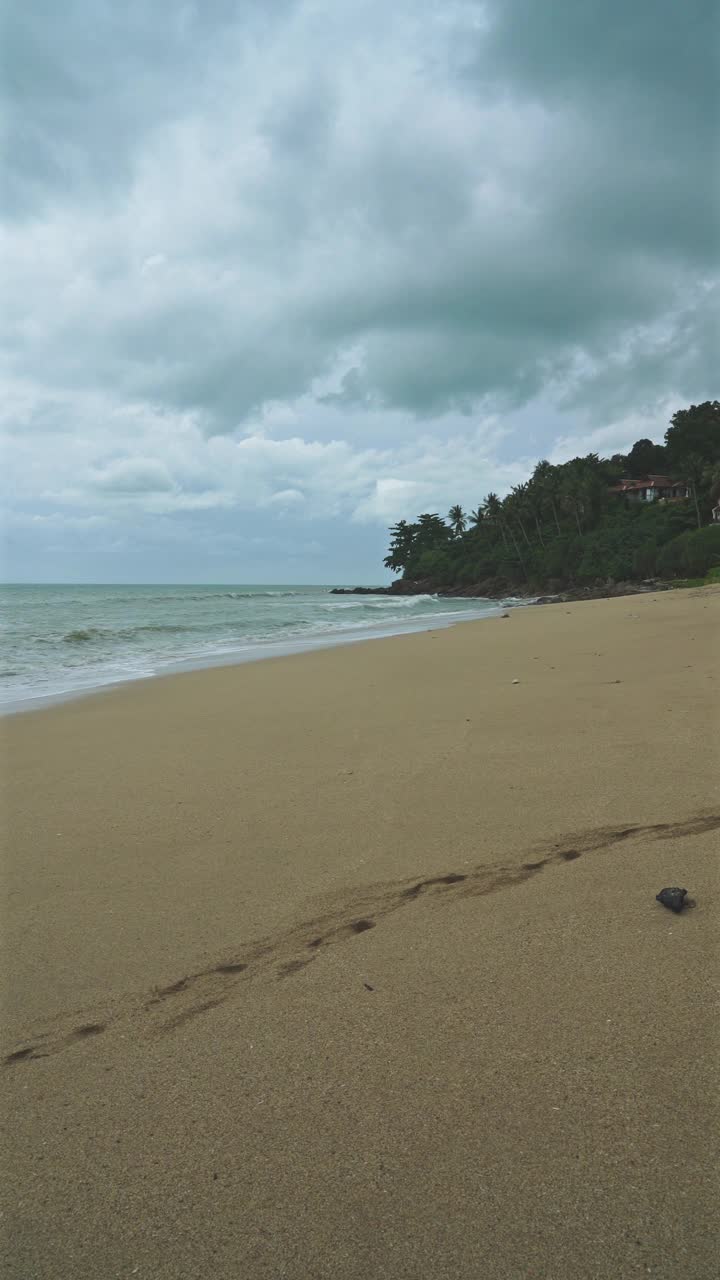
(349, 965)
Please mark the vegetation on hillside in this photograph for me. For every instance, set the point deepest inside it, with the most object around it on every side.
(565, 527)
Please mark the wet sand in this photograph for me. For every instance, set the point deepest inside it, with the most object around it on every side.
(349, 965)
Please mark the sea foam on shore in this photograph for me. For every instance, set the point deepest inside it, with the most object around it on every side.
(63, 640)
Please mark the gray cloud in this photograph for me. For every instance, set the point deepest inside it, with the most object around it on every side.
(85, 80)
(345, 240)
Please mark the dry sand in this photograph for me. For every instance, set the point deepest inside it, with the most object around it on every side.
(349, 965)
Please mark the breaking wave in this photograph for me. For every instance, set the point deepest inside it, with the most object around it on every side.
(382, 602)
(85, 635)
(55, 639)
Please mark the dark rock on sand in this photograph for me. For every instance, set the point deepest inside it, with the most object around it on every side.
(673, 898)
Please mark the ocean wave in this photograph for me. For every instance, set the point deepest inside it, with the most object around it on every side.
(98, 655)
(395, 602)
(220, 595)
(260, 595)
(261, 628)
(81, 635)
(368, 626)
(163, 597)
(85, 635)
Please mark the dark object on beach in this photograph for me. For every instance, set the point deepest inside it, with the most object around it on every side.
(673, 899)
(362, 926)
(368, 987)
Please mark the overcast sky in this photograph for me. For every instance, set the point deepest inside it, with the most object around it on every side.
(277, 274)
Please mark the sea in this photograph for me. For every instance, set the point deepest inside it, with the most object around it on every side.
(62, 641)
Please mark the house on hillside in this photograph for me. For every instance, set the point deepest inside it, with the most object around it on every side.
(652, 489)
(716, 514)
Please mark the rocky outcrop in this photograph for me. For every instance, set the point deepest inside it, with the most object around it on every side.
(499, 589)
(605, 591)
(488, 589)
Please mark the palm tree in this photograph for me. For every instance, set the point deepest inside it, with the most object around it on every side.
(693, 475)
(458, 523)
(492, 512)
(492, 507)
(712, 481)
(518, 504)
(571, 490)
(495, 512)
(583, 491)
(545, 480)
(533, 503)
(476, 517)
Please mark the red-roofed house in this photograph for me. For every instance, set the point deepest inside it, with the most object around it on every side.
(652, 488)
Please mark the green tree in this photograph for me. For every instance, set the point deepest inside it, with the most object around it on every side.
(583, 490)
(402, 537)
(505, 513)
(530, 508)
(692, 554)
(571, 491)
(435, 563)
(693, 445)
(562, 526)
(646, 458)
(694, 431)
(458, 523)
(517, 508)
(493, 514)
(431, 530)
(545, 481)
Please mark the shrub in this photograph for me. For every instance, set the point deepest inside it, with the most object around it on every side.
(692, 554)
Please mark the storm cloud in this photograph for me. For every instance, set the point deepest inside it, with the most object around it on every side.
(277, 274)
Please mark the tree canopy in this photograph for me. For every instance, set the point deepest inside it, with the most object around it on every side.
(569, 525)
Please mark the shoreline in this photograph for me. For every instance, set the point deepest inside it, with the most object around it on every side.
(260, 651)
(251, 653)
(353, 966)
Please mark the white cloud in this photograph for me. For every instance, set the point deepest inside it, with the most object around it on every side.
(305, 263)
(285, 498)
(391, 499)
(134, 476)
